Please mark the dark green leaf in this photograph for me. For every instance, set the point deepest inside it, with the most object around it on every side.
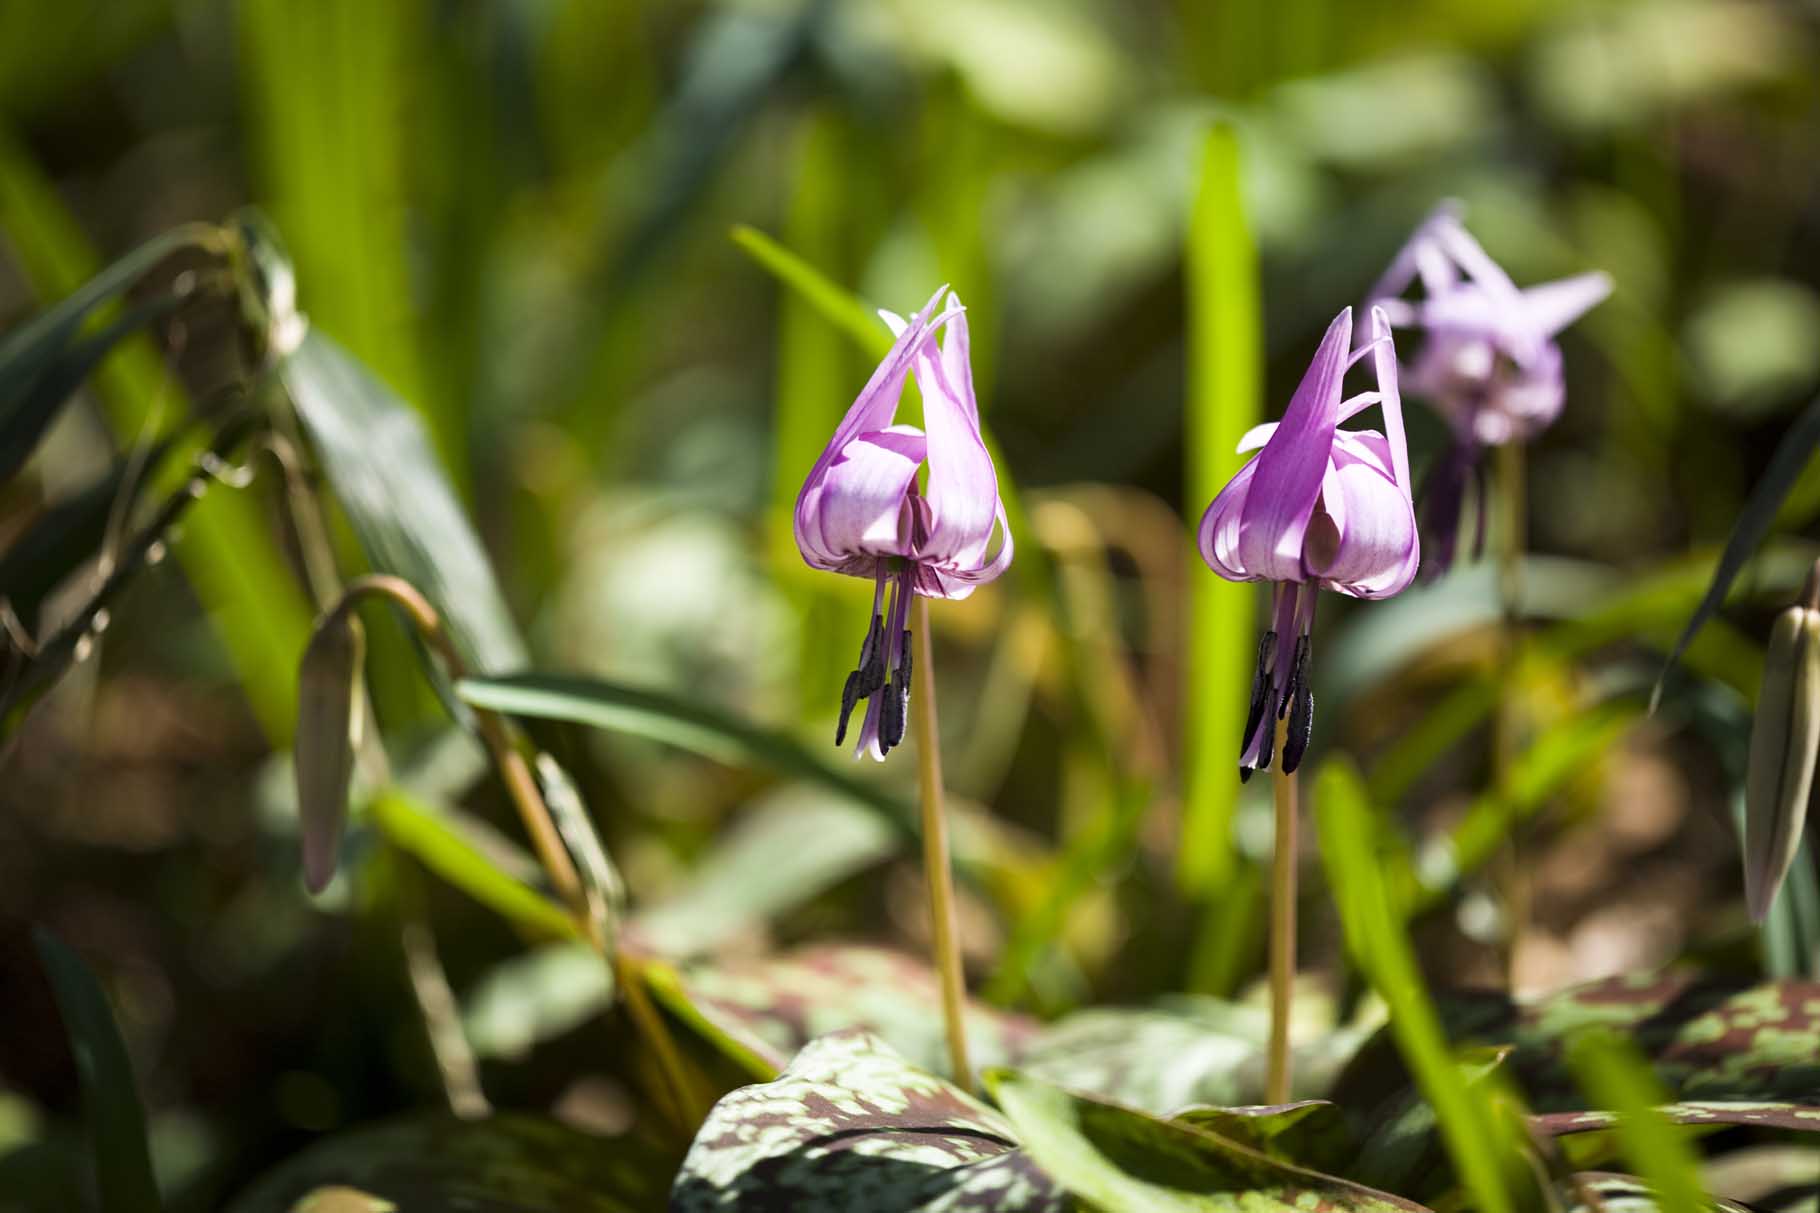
(1754, 522)
(69, 534)
(28, 409)
(123, 1161)
(692, 726)
(504, 1164)
(789, 1000)
(850, 1125)
(1121, 1160)
(381, 467)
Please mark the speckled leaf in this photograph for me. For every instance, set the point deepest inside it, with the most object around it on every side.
(1189, 1050)
(1727, 1054)
(789, 1000)
(504, 1164)
(1609, 1192)
(1117, 1158)
(1391, 1128)
(851, 1125)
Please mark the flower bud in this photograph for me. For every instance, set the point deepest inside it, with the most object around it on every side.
(328, 721)
(1784, 741)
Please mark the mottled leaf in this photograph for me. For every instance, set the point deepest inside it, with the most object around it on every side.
(1609, 1192)
(850, 1125)
(789, 1000)
(504, 1164)
(1119, 1159)
(1312, 1132)
(1188, 1050)
(382, 469)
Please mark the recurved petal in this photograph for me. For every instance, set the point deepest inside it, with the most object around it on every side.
(1390, 397)
(1553, 306)
(859, 509)
(1286, 475)
(1218, 535)
(962, 489)
(1419, 256)
(872, 410)
(1362, 541)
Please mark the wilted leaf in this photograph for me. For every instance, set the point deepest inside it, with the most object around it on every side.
(850, 1125)
(382, 469)
(600, 880)
(110, 1096)
(328, 724)
(789, 1000)
(761, 867)
(504, 1164)
(1119, 1159)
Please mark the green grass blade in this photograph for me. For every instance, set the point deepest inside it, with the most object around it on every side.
(1378, 943)
(1225, 387)
(330, 144)
(435, 840)
(110, 1097)
(226, 548)
(1616, 1078)
(691, 726)
(837, 306)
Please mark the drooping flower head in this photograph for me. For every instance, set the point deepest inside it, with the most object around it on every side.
(1319, 508)
(1488, 362)
(862, 511)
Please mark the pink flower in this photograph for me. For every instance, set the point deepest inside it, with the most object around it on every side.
(861, 511)
(1319, 508)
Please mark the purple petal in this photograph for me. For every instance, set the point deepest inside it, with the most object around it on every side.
(1362, 542)
(1555, 305)
(872, 410)
(1384, 365)
(1419, 255)
(1286, 480)
(962, 489)
(859, 507)
(1218, 535)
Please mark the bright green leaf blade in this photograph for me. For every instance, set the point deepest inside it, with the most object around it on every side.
(1617, 1078)
(698, 728)
(760, 868)
(1225, 389)
(1383, 952)
(110, 1096)
(836, 305)
(1121, 1160)
(1754, 521)
(524, 1164)
(851, 1118)
(438, 843)
(386, 477)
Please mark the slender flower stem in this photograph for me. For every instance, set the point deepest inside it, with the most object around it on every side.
(935, 853)
(1514, 888)
(1282, 926)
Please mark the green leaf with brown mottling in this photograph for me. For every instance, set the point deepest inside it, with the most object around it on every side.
(1187, 1050)
(851, 1125)
(1116, 1158)
(503, 1164)
(794, 998)
(1610, 1192)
